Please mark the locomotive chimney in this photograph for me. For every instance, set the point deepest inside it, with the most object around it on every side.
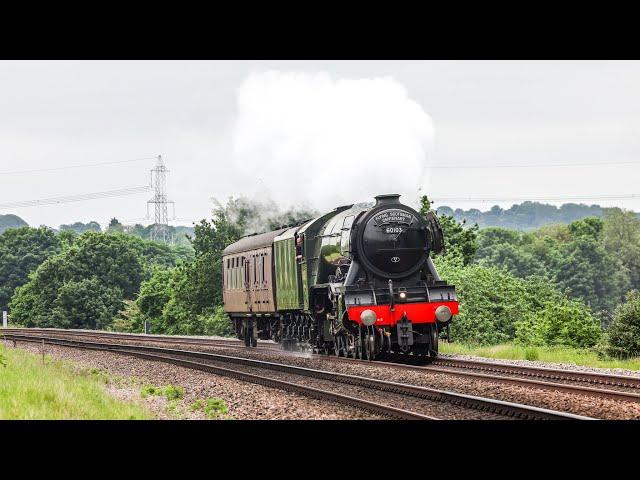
(389, 199)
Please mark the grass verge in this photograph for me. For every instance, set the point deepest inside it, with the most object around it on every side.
(588, 358)
(31, 390)
(214, 408)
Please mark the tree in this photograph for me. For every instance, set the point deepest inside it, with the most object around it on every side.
(525, 216)
(155, 292)
(574, 257)
(623, 336)
(22, 250)
(590, 227)
(106, 267)
(115, 226)
(496, 306)
(80, 228)
(87, 304)
(491, 300)
(621, 236)
(187, 299)
(455, 233)
(510, 249)
(562, 322)
(585, 268)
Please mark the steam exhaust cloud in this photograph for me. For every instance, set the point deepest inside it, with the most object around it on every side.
(314, 141)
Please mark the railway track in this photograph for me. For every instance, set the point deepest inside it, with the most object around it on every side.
(141, 337)
(361, 392)
(625, 388)
(619, 387)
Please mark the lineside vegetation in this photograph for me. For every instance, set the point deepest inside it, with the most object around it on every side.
(31, 390)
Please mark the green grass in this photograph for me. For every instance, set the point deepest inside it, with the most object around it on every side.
(31, 390)
(150, 390)
(589, 358)
(214, 408)
(170, 392)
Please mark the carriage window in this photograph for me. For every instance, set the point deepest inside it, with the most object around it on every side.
(235, 272)
(348, 221)
(299, 248)
(263, 278)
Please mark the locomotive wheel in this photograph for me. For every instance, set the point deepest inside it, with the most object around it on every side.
(367, 348)
(350, 347)
(370, 347)
(337, 346)
(433, 346)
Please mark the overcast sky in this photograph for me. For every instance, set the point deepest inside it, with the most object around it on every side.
(315, 133)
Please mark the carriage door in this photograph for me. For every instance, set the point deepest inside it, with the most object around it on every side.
(247, 284)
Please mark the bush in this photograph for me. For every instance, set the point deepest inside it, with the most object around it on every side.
(171, 392)
(496, 307)
(81, 287)
(560, 323)
(623, 337)
(175, 306)
(22, 250)
(491, 300)
(86, 304)
(216, 322)
(215, 407)
(129, 319)
(150, 390)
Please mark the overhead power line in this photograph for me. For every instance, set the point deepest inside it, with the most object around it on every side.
(76, 198)
(532, 165)
(533, 197)
(69, 167)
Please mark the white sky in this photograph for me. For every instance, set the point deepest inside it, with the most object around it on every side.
(229, 128)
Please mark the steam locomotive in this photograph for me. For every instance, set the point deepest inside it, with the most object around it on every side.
(357, 282)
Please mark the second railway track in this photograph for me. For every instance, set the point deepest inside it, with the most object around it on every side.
(616, 387)
(399, 400)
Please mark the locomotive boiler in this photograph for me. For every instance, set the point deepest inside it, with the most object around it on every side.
(358, 281)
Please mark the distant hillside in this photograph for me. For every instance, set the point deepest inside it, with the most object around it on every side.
(524, 216)
(11, 221)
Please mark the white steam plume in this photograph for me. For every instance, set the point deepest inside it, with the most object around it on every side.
(309, 139)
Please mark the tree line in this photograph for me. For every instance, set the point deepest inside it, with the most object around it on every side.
(571, 285)
(117, 280)
(524, 216)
